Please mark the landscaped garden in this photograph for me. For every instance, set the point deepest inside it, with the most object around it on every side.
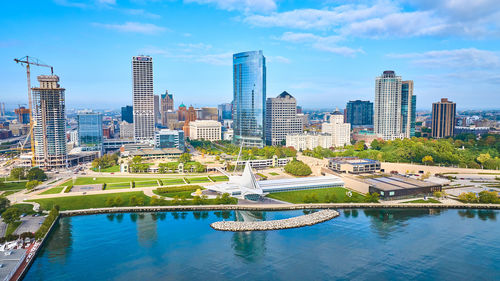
(177, 191)
(324, 195)
(53, 190)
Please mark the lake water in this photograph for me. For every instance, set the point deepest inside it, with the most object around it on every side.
(371, 244)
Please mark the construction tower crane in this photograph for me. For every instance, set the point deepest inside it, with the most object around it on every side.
(31, 61)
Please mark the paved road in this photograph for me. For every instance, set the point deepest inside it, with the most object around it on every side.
(29, 224)
(3, 228)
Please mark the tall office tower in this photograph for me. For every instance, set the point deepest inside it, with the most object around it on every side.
(282, 119)
(90, 135)
(190, 116)
(224, 111)
(443, 118)
(142, 83)
(359, 113)
(167, 104)
(249, 98)
(387, 112)
(182, 112)
(339, 131)
(408, 107)
(128, 114)
(49, 123)
(156, 107)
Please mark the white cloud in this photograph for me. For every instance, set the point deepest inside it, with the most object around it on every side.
(323, 43)
(240, 5)
(184, 54)
(457, 58)
(141, 12)
(278, 59)
(134, 27)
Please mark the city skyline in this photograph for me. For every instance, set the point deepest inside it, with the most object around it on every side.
(304, 43)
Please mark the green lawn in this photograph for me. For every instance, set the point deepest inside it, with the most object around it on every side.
(118, 186)
(219, 178)
(12, 185)
(24, 208)
(198, 180)
(298, 197)
(11, 227)
(429, 200)
(54, 190)
(274, 174)
(180, 194)
(88, 201)
(146, 183)
(112, 169)
(9, 192)
(172, 181)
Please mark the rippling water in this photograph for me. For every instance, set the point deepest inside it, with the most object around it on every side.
(359, 245)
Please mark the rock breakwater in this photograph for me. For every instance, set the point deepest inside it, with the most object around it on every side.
(294, 222)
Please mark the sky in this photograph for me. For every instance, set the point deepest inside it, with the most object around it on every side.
(324, 53)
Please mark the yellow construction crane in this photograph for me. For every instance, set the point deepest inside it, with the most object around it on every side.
(31, 61)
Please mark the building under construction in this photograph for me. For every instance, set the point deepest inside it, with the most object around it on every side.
(49, 123)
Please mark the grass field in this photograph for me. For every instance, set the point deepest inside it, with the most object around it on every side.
(12, 185)
(118, 186)
(172, 181)
(298, 197)
(198, 179)
(88, 201)
(219, 178)
(24, 208)
(180, 194)
(112, 169)
(429, 200)
(11, 227)
(146, 183)
(9, 192)
(54, 190)
(274, 174)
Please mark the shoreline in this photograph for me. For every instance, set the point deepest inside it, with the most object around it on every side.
(275, 207)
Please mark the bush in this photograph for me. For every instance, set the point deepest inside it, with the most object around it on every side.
(488, 197)
(133, 184)
(44, 228)
(468, 197)
(175, 189)
(68, 188)
(372, 197)
(103, 186)
(32, 184)
(298, 168)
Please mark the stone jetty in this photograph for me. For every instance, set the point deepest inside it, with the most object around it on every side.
(299, 221)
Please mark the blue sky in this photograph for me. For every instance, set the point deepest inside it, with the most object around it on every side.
(322, 52)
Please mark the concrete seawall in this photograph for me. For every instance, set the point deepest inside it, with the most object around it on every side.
(277, 207)
(300, 221)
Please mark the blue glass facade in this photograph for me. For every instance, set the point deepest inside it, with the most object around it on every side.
(249, 98)
(90, 130)
(128, 114)
(359, 113)
(170, 139)
(408, 107)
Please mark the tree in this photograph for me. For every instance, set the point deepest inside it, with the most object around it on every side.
(438, 194)
(359, 146)
(488, 197)
(482, 158)
(32, 184)
(11, 215)
(18, 173)
(427, 159)
(4, 204)
(372, 197)
(36, 174)
(468, 197)
(185, 157)
(298, 168)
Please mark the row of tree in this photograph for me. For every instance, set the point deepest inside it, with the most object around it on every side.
(106, 161)
(471, 153)
(21, 173)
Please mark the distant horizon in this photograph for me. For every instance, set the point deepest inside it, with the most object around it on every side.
(322, 52)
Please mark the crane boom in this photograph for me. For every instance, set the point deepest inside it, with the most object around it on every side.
(31, 61)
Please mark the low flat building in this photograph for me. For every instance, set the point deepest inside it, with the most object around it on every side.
(247, 187)
(398, 187)
(150, 153)
(265, 163)
(353, 165)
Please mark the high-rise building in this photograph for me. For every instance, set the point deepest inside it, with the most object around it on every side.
(23, 115)
(408, 108)
(205, 129)
(249, 98)
(128, 114)
(340, 132)
(387, 118)
(443, 118)
(49, 123)
(359, 113)
(182, 112)
(157, 109)
(225, 111)
(126, 130)
(167, 104)
(190, 115)
(169, 139)
(142, 83)
(90, 134)
(282, 119)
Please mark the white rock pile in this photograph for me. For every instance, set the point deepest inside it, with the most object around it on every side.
(299, 221)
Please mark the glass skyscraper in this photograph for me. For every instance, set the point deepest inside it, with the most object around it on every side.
(249, 98)
(359, 113)
(128, 114)
(408, 107)
(90, 130)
